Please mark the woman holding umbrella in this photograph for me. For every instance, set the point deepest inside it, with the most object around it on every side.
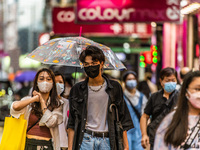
(43, 111)
(91, 126)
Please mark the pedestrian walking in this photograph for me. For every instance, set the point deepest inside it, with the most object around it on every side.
(136, 101)
(159, 105)
(68, 86)
(43, 111)
(180, 129)
(91, 126)
(147, 87)
(60, 86)
(183, 73)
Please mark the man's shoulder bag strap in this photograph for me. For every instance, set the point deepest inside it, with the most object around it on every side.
(165, 111)
(152, 127)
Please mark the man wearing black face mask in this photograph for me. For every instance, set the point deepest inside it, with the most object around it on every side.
(91, 124)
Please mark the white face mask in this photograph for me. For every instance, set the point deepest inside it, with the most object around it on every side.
(60, 88)
(45, 87)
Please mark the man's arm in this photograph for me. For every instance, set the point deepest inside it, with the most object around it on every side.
(125, 140)
(143, 127)
(70, 138)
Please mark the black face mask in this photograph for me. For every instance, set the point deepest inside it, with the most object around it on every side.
(92, 71)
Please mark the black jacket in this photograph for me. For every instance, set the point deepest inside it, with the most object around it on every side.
(78, 112)
(156, 108)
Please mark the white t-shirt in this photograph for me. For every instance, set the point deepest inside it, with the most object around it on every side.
(97, 109)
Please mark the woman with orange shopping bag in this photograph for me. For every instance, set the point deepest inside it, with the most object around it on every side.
(43, 111)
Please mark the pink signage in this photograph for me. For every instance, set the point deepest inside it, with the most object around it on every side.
(63, 23)
(93, 11)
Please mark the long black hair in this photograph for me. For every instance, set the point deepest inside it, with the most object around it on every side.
(54, 100)
(177, 130)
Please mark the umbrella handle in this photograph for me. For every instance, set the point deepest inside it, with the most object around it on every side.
(80, 30)
(75, 76)
(110, 108)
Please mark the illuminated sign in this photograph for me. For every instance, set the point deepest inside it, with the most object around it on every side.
(110, 11)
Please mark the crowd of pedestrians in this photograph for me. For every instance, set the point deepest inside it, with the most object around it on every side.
(100, 114)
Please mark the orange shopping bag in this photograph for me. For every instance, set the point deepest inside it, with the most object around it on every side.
(14, 134)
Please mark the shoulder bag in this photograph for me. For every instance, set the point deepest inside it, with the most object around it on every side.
(14, 134)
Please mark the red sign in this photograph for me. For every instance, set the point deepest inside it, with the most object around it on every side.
(148, 57)
(63, 23)
(93, 11)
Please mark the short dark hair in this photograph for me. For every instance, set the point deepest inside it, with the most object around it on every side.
(166, 72)
(124, 76)
(69, 81)
(182, 75)
(93, 51)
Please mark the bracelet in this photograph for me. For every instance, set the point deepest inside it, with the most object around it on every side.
(44, 109)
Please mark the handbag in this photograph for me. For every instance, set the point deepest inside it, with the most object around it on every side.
(118, 128)
(14, 134)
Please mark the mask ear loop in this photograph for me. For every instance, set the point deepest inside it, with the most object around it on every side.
(188, 93)
(163, 84)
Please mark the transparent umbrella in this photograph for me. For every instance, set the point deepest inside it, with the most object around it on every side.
(66, 51)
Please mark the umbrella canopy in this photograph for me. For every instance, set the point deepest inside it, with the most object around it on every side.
(66, 51)
(28, 75)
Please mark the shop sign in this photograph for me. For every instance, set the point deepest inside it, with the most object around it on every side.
(95, 11)
(63, 23)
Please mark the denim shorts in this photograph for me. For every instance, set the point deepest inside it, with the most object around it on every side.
(95, 143)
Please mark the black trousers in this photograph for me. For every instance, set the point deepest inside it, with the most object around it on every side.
(33, 144)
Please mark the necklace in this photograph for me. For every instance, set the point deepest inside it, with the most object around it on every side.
(97, 89)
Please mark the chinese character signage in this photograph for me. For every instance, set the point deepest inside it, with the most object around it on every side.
(63, 23)
(93, 11)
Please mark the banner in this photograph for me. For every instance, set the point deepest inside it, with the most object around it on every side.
(63, 23)
(95, 11)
